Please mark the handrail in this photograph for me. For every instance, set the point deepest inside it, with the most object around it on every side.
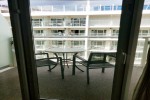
(86, 37)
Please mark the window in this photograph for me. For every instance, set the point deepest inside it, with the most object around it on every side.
(76, 44)
(78, 21)
(138, 55)
(57, 22)
(98, 32)
(113, 45)
(39, 44)
(108, 7)
(38, 32)
(115, 33)
(37, 22)
(96, 8)
(57, 32)
(56, 43)
(140, 45)
(98, 44)
(78, 32)
(143, 32)
(118, 7)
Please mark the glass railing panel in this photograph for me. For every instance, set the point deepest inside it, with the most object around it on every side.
(36, 8)
(115, 34)
(98, 47)
(81, 8)
(58, 8)
(47, 8)
(99, 22)
(39, 34)
(39, 46)
(36, 23)
(70, 8)
(98, 34)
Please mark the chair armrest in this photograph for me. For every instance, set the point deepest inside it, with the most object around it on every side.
(41, 53)
(47, 55)
(112, 55)
(77, 56)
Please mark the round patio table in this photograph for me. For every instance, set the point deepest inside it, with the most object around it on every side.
(64, 52)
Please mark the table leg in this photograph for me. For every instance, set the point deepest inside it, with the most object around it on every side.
(104, 60)
(65, 59)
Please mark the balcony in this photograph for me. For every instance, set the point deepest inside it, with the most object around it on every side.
(59, 8)
(104, 23)
(62, 24)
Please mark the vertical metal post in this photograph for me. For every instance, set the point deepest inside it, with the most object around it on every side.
(19, 49)
(128, 36)
(145, 50)
(22, 32)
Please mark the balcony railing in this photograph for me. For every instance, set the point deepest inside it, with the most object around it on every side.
(56, 24)
(74, 8)
(99, 23)
(40, 47)
(58, 8)
(39, 34)
(57, 35)
(92, 23)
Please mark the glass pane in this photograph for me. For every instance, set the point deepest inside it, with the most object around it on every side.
(88, 25)
(141, 49)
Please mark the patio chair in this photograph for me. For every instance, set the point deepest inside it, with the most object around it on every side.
(52, 62)
(96, 60)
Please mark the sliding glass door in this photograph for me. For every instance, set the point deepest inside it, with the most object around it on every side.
(102, 20)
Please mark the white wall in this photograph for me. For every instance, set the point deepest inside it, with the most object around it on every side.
(5, 48)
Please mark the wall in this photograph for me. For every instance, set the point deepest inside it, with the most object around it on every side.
(5, 47)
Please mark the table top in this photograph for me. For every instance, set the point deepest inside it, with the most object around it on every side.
(105, 52)
(65, 50)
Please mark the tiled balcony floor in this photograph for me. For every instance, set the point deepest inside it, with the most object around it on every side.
(71, 88)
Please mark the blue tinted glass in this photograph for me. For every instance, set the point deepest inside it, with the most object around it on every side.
(102, 8)
(119, 8)
(96, 8)
(145, 6)
(148, 7)
(115, 7)
(107, 7)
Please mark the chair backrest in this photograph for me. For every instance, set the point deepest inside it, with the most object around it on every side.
(96, 57)
(100, 57)
(41, 55)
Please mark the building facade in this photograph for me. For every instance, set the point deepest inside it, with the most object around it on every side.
(92, 27)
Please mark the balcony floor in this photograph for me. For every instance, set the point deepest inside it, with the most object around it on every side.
(71, 88)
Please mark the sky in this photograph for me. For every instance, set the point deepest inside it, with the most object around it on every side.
(68, 2)
(72, 2)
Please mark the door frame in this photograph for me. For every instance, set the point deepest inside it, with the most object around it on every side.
(23, 41)
(127, 42)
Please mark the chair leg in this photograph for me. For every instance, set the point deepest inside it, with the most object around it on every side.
(49, 68)
(103, 70)
(73, 66)
(62, 72)
(62, 68)
(88, 78)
